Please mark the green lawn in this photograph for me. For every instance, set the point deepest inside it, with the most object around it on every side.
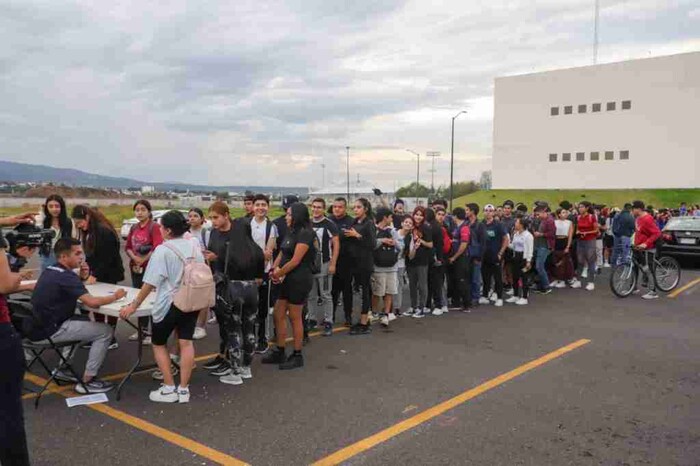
(656, 197)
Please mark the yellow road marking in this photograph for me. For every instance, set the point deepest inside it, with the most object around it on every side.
(687, 286)
(363, 445)
(157, 431)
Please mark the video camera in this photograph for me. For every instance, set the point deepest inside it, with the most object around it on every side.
(30, 236)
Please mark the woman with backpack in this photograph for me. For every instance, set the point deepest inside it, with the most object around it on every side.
(362, 241)
(101, 244)
(418, 250)
(142, 240)
(165, 275)
(55, 217)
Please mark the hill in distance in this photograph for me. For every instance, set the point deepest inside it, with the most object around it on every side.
(27, 173)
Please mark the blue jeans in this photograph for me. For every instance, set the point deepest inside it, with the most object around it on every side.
(621, 250)
(540, 261)
(476, 282)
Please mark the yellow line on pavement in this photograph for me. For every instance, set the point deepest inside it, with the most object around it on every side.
(157, 431)
(363, 445)
(683, 288)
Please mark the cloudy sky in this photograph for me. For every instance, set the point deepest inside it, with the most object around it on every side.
(268, 92)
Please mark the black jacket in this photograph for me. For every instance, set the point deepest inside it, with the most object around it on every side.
(623, 224)
(362, 249)
(105, 260)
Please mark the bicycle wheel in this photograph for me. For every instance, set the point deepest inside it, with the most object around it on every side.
(667, 273)
(623, 280)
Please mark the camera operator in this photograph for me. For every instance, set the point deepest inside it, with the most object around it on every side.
(23, 242)
(13, 440)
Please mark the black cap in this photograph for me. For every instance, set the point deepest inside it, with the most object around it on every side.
(287, 201)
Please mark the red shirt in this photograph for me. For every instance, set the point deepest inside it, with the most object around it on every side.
(587, 222)
(143, 236)
(646, 231)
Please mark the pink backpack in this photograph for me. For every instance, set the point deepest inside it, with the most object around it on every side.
(196, 289)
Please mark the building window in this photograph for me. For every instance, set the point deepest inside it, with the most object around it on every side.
(626, 104)
(582, 108)
(609, 155)
(568, 110)
(624, 155)
(595, 108)
(610, 107)
(595, 156)
(566, 157)
(552, 157)
(554, 111)
(580, 156)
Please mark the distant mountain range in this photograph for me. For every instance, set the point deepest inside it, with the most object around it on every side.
(27, 173)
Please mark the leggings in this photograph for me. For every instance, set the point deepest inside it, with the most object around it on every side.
(491, 268)
(586, 252)
(436, 285)
(516, 267)
(237, 308)
(13, 439)
(418, 285)
(363, 279)
(460, 277)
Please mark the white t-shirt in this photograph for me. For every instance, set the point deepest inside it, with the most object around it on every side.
(258, 234)
(562, 227)
(164, 271)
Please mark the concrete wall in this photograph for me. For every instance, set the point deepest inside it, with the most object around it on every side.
(661, 130)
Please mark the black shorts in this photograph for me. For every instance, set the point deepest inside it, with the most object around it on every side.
(296, 288)
(608, 241)
(175, 319)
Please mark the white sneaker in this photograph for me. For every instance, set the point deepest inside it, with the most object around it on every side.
(498, 303)
(384, 321)
(483, 300)
(164, 395)
(554, 284)
(392, 316)
(212, 319)
(199, 333)
(560, 284)
(147, 341)
(590, 286)
(606, 265)
(134, 337)
(584, 273)
(409, 312)
(246, 373)
(445, 309)
(650, 295)
(512, 300)
(521, 302)
(437, 311)
(510, 292)
(231, 379)
(418, 314)
(183, 395)
(575, 284)
(493, 297)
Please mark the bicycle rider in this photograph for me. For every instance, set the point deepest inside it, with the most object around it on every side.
(646, 234)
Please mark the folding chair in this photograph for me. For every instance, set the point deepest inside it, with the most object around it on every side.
(23, 319)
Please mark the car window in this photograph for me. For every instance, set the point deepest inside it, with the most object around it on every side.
(684, 223)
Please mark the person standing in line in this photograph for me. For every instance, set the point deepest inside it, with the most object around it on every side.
(646, 234)
(418, 249)
(386, 257)
(563, 270)
(458, 261)
(321, 300)
(544, 244)
(494, 248)
(508, 221)
(342, 280)
(361, 242)
(587, 232)
(195, 218)
(292, 271)
(522, 246)
(475, 250)
(599, 238)
(164, 276)
(55, 217)
(623, 229)
(436, 267)
(399, 214)
(609, 218)
(402, 279)
(101, 245)
(248, 205)
(265, 235)
(143, 238)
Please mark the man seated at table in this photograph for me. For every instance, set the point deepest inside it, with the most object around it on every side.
(54, 301)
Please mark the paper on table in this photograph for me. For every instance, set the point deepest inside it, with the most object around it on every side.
(86, 400)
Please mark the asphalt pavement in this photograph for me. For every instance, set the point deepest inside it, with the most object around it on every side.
(627, 395)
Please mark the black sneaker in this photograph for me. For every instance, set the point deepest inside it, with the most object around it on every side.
(294, 361)
(360, 329)
(214, 363)
(277, 356)
(223, 369)
(262, 347)
(327, 329)
(94, 386)
(354, 330)
(348, 323)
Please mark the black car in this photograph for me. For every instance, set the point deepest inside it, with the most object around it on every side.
(681, 237)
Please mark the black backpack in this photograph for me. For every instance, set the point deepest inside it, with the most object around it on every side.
(385, 256)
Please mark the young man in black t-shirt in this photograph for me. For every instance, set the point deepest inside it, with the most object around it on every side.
(342, 280)
(321, 298)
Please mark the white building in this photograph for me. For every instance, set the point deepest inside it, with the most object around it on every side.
(148, 189)
(631, 124)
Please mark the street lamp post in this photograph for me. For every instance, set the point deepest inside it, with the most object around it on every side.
(347, 148)
(452, 158)
(417, 171)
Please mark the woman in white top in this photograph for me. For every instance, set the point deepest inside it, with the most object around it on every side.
(55, 217)
(522, 244)
(164, 272)
(563, 270)
(406, 227)
(196, 219)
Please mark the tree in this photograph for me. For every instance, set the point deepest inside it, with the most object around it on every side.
(460, 189)
(411, 191)
(485, 180)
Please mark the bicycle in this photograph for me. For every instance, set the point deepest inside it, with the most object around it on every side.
(666, 273)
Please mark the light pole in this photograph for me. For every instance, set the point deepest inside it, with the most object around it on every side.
(417, 171)
(452, 158)
(347, 148)
(432, 155)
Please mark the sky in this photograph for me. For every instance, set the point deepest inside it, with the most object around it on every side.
(258, 92)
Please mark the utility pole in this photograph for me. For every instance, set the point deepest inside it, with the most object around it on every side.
(452, 158)
(432, 155)
(417, 171)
